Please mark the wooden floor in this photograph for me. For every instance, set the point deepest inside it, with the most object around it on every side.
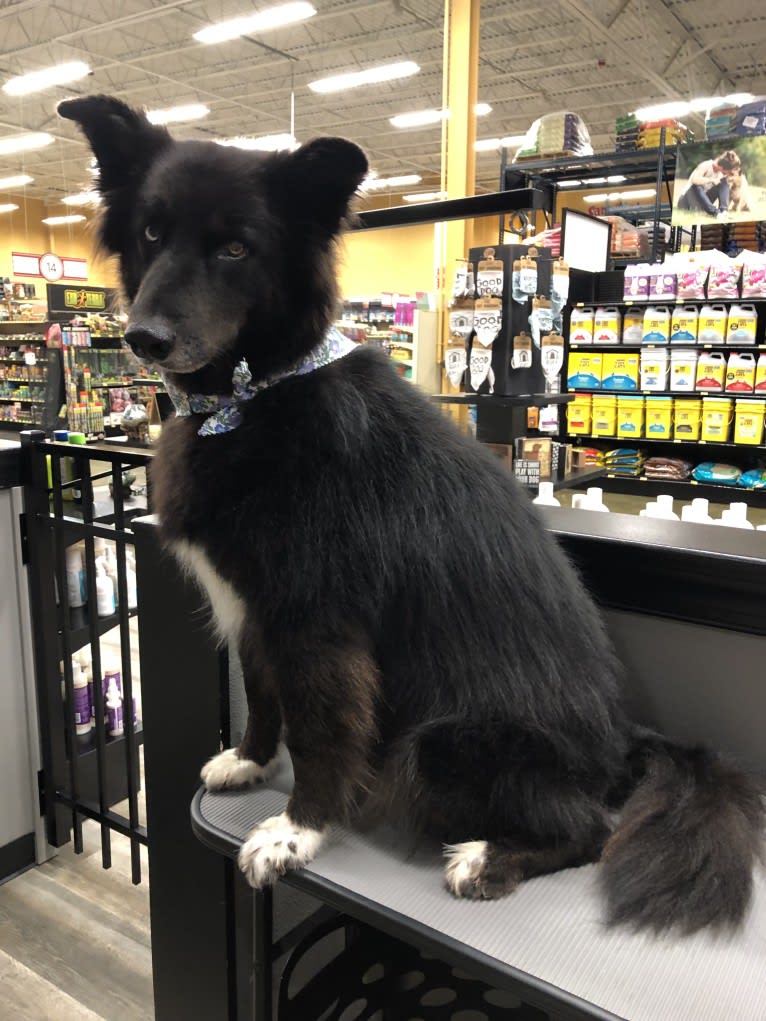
(74, 939)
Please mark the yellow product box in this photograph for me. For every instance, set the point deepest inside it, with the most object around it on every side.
(620, 370)
(748, 421)
(659, 418)
(717, 414)
(687, 418)
(604, 415)
(579, 412)
(584, 370)
(630, 417)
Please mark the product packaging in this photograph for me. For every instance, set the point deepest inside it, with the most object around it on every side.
(620, 370)
(633, 326)
(489, 276)
(654, 369)
(636, 285)
(581, 324)
(740, 373)
(711, 328)
(584, 370)
(683, 371)
(711, 371)
(607, 325)
(684, 325)
(663, 284)
(743, 324)
(656, 325)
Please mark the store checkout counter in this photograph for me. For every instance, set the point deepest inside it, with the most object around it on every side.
(368, 930)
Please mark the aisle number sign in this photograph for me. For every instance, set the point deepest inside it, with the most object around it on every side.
(49, 266)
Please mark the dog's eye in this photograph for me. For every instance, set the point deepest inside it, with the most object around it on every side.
(152, 233)
(234, 250)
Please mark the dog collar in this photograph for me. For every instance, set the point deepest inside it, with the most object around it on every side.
(224, 412)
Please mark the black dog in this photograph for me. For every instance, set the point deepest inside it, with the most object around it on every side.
(401, 614)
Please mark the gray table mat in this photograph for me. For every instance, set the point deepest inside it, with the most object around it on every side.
(550, 927)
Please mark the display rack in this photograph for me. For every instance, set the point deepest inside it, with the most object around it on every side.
(600, 289)
(644, 166)
(412, 347)
(29, 376)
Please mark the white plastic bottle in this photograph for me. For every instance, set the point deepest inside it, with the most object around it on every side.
(544, 496)
(115, 725)
(82, 713)
(105, 605)
(665, 507)
(736, 517)
(698, 512)
(594, 500)
(75, 577)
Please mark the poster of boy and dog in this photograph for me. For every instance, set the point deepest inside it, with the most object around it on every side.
(720, 181)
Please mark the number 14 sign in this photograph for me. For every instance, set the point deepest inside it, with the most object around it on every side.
(49, 266)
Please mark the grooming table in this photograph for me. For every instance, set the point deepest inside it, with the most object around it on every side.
(546, 944)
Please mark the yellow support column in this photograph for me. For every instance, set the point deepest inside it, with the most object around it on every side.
(460, 80)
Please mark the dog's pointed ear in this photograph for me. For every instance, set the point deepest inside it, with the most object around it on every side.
(123, 140)
(322, 177)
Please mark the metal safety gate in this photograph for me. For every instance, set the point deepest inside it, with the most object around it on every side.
(79, 504)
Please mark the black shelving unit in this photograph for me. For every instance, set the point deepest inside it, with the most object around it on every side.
(644, 166)
(644, 487)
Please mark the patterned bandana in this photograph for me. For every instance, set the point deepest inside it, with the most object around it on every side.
(225, 411)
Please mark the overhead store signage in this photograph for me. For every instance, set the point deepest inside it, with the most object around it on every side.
(49, 266)
(76, 299)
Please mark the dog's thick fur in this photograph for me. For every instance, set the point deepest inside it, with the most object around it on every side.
(402, 616)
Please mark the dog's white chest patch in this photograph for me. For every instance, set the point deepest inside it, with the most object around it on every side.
(228, 607)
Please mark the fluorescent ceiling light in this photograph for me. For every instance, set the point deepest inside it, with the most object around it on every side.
(420, 118)
(173, 114)
(36, 81)
(265, 143)
(57, 221)
(703, 103)
(425, 196)
(621, 196)
(371, 76)
(8, 207)
(378, 183)
(739, 98)
(82, 198)
(661, 111)
(491, 144)
(250, 24)
(20, 143)
(588, 181)
(6, 183)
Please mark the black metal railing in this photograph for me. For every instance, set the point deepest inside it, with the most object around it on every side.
(79, 504)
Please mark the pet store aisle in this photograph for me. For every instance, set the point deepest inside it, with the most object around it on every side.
(74, 939)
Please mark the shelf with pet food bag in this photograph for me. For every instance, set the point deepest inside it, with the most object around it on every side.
(683, 490)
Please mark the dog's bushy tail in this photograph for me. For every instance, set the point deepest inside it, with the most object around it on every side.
(688, 840)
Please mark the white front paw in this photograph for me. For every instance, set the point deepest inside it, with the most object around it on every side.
(275, 847)
(227, 769)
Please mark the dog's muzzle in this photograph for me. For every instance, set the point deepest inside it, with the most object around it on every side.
(150, 343)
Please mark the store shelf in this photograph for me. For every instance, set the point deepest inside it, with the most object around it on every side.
(23, 400)
(646, 302)
(579, 477)
(669, 393)
(643, 486)
(79, 634)
(403, 343)
(675, 346)
(638, 441)
(640, 165)
(505, 400)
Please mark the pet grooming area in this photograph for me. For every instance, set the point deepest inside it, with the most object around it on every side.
(566, 257)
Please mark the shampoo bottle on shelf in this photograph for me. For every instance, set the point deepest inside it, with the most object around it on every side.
(105, 604)
(82, 712)
(75, 577)
(114, 709)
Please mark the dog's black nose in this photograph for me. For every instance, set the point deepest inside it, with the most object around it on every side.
(149, 343)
